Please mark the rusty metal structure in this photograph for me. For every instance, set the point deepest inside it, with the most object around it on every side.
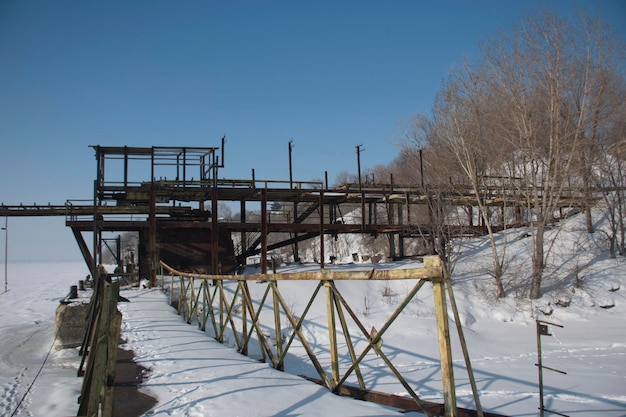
(170, 199)
(170, 196)
(176, 210)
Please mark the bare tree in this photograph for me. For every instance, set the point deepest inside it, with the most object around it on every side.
(530, 114)
(433, 169)
(345, 177)
(225, 211)
(610, 177)
(461, 126)
(598, 92)
(550, 73)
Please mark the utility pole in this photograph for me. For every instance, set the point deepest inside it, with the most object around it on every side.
(290, 166)
(358, 162)
(296, 253)
(6, 252)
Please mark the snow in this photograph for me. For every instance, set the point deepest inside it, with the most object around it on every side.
(193, 375)
(27, 335)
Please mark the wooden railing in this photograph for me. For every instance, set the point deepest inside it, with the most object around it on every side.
(233, 314)
(100, 350)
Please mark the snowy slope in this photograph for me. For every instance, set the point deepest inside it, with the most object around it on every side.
(194, 376)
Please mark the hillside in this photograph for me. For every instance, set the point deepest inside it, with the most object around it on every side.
(192, 375)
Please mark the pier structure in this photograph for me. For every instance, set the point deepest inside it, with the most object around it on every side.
(170, 196)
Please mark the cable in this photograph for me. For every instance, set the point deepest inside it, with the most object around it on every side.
(37, 375)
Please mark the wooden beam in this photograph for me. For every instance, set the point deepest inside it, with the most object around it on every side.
(445, 350)
(406, 404)
(431, 270)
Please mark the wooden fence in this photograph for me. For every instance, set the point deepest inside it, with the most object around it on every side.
(235, 315)
(100, 350)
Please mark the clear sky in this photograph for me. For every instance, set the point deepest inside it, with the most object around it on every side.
(328, 74)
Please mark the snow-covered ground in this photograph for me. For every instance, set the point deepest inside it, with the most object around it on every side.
(193, 375)
(27, 336)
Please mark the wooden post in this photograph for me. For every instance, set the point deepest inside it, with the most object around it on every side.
(468, 364)
(445, 350)
(332, 333)
(220, 300)
(244, 317)
(193, 305)
(346, 333)
(100, 373)
(280, 365)
(113, 336)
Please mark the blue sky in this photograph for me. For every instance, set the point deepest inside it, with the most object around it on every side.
(329, 75)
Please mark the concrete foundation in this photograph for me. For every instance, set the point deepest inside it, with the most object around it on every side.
(71, 324)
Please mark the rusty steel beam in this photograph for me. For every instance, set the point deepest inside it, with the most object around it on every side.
(135, 200)
(308, 228)
(84, 250)
(34, 210)
(281, 244)
(86, 210)
(406, 404)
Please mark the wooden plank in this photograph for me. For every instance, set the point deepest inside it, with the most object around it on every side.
(108, 397)
(346, 333)
(466, 357)
(332, 333)
(96, 368)
(403, 403)
(280, 365)
(432, 269)
(445, 350)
